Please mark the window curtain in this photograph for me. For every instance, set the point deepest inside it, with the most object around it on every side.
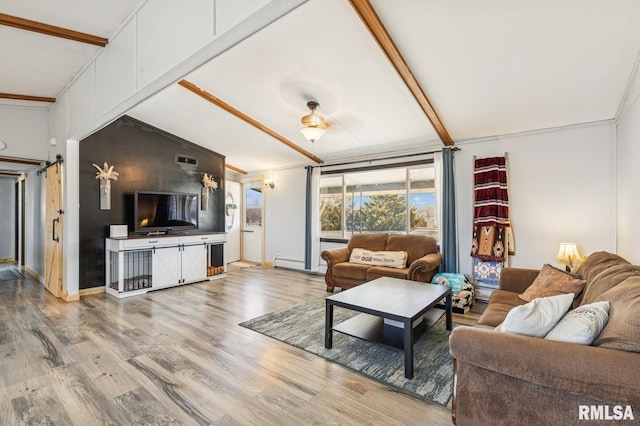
(446, 209)
(312, 233)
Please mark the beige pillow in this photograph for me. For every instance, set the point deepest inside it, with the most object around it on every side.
(552, 282)
(537, 317)
(391, 259)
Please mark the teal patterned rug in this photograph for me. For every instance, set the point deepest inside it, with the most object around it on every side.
(302, 326)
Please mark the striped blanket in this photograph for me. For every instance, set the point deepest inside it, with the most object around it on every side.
(491, 207)
(492, 237)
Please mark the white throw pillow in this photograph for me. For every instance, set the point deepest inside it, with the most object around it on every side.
(392, 259)
(537, 317)
(582, 325)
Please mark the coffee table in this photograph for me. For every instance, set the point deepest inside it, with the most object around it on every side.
(398, 301)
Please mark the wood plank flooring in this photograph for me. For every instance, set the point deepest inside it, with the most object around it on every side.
(178, 356)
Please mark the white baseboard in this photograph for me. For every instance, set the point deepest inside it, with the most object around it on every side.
(288, 263)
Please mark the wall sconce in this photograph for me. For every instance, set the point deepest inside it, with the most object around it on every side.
(568, 255)
(269, 183)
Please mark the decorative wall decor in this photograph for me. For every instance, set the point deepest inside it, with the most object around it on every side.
(106, 174)
(208, 184)
(229, 211)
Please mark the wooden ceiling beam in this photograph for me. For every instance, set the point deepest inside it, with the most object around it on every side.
(377, 29)
(244, 117)
(235, 169)
(51, 30)
(26, 97)
(20, 161)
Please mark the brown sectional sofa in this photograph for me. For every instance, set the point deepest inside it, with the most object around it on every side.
(511, 379)
(423, 259)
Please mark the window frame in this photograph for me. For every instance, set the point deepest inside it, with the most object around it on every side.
(407, 166)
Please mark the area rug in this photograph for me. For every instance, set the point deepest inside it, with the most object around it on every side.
(302, 325)
(10, 274)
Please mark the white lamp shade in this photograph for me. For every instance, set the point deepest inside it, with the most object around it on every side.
(568, 254)
(312, 133)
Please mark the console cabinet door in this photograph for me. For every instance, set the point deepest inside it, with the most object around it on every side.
(194, 263)
(166, 266)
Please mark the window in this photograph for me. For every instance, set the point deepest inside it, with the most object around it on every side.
(394, 200)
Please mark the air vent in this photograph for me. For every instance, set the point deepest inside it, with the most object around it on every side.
(185, 159)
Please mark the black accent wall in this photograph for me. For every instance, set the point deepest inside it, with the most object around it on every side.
(145, 157)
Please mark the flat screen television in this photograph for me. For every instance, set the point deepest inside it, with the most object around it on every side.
(165, 211)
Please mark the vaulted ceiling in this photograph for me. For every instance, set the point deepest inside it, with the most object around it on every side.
(488, 68)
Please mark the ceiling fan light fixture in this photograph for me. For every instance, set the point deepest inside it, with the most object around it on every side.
(314, 125)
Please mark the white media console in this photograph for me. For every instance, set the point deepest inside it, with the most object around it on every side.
(138, 264)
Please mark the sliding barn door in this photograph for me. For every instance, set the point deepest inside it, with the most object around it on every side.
(53, 230)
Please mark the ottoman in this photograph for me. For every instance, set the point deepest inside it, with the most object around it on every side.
(463, 292)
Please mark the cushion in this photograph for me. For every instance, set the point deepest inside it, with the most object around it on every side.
(374, 272)
(596, 262)
(500, 303)
(623, 329)
(608, 278)
(352, 271)
(390, 259)
(452, 280)
(374, 241)
(416, 245)
(552, 282)
(537, 317)
(581, 325)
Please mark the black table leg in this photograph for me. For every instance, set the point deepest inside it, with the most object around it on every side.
(328, 326)
(408, 349)
(448, 312)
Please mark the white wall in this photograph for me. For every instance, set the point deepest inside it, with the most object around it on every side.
(7, 218)
(560, 189)
(285, 218)
(24, 130)
(560, 184)
(628, 174)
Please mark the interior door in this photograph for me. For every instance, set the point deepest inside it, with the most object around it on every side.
(53, 230)
(252, 222)
(232, 220)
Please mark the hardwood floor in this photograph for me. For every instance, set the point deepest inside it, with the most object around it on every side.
(178, 356)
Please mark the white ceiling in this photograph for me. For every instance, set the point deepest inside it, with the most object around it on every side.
(489, 67)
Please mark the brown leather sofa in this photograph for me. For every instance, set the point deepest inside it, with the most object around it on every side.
(423, 259)
(512, 379)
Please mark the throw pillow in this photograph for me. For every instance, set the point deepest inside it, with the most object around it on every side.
(623, 329)
(537, 317)
(391, 259)
(581, 325)
(551, 282)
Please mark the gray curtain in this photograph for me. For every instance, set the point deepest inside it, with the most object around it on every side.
(449, 235)
(307, 234)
